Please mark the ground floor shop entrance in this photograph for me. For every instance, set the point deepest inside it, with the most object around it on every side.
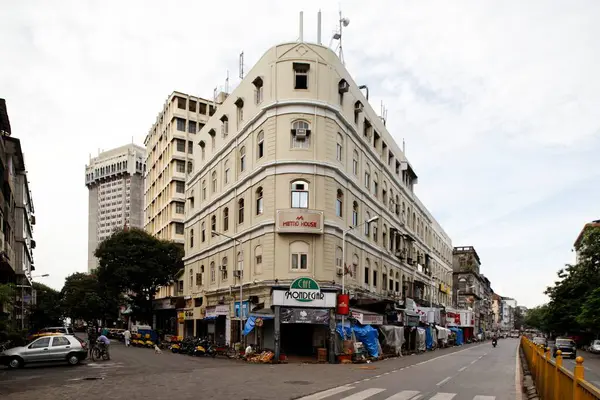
(304, 331)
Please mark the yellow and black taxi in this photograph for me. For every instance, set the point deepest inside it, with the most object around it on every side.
(51, 331)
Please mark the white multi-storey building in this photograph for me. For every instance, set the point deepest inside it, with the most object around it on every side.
(115, 183)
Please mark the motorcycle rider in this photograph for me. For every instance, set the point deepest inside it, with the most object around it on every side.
(494, 340)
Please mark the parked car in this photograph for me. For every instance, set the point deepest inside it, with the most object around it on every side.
(594, 347)
(55, 330)
(566, 346)
(60, 347)
(540, 340)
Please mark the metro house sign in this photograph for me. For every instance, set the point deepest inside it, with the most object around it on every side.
(305, 290)
(300, 223)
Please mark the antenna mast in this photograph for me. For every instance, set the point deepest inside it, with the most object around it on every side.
(343, 22)
(227, 83)
(242, 65)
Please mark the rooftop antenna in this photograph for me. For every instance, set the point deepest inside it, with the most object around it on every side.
(403, 146)
(344, 22)
(227, 83)
(319, 27)
(383, 113)
(301, 27)
(242, 65)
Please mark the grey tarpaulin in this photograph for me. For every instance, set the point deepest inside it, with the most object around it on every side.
(393, 337)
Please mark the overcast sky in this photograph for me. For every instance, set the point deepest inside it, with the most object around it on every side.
(498, 102)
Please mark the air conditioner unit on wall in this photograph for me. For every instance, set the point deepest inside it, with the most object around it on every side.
(358, 107)
(343, 87)
(301, 134)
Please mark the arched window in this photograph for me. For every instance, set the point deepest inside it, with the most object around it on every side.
(214, 181)
(259, 201)
(339, 148)
(367, 225)
(260, 144)
(355, 214)
(338, 261)
(203, 231)
(200, 276)
(226, 219)
(355, 163)
(191, 279)
(213, 274)
(355, 263)
(258, 259)
(203, 149)
(191, 238)
(368, 177)
(300, 135)
(203, 189)
(384, 235)
(240, 211)
(213, 223)
(299, 194)
(375, 184)
(243, 159)
(397, 288)
(190, 167)
(375, 275)
(299, 256)
(213, 140)
(384, 193)
(367, 271)
(224, 269)
(227, 170)
(414, 218)
(339, 203)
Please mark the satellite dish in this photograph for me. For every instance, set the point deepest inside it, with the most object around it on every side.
(345, 21)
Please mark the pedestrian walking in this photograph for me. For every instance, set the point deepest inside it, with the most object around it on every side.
(127, 337)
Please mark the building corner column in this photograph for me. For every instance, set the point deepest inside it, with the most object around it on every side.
(277, 333)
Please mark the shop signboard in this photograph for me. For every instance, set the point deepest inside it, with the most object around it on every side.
(215, 311)
(304, 316)
(180, 316)
(189, 314)
(304, 292)
(299, 220)
(367, 318)
(163, 304)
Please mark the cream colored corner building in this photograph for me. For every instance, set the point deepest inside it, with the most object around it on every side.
(292, 158)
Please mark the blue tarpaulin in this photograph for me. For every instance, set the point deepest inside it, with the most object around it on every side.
(428, 338)
(366, 334)
(251, 321)
(459, 336)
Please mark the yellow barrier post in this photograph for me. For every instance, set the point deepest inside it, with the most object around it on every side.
(547, 373)
(578, 376)
(559, 361)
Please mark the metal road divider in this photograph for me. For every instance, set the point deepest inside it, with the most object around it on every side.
(552, 380)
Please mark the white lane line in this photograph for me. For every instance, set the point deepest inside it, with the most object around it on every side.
(326, 393)
(480, 397)
(443, 396)
(364, 394)
(440, 383)
(404, 395)
(474, 361)
(462, 369)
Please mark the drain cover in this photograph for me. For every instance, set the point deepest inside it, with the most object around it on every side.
(298, 382)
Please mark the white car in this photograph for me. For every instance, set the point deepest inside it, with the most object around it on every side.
(595, 347)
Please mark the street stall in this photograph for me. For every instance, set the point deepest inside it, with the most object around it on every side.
(391, 339)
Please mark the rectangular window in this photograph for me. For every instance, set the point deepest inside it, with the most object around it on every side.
(179, 187)
(366, 275)
(299, 199)
(338, 154)
(301, 75)
(338, 207)
(258, 95)
(192, 106)
(181, 103)
(181, 145)
(300, 261)
(180, 166)
(191, 147)
(202, 109)
(179, 228)
(191, 127)
(181, 124)
(179, 207)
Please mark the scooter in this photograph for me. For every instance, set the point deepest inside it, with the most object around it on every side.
(494, 342)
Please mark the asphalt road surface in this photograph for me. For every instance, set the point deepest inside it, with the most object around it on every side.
(136, 373)
(591, 365)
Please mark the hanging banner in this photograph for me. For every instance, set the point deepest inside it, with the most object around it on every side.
(304, 316)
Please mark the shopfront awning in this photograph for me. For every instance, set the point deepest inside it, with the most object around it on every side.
(366, 317)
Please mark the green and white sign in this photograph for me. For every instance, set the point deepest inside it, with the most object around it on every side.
(304, 292)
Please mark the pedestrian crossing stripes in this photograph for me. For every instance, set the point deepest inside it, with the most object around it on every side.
(371, 392)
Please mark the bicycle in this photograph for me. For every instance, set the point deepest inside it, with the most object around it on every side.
(98, 352)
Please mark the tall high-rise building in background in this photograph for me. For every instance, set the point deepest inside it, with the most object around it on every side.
(115, 180)
(170, 147)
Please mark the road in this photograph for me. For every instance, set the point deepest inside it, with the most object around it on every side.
(591, 364)
(135, 373)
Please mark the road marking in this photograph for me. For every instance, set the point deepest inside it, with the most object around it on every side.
(479, 397)
(440, 383)
(404, 395)
(327, 393)
(474, 361)
(364, 394)
(462, 369)
(443, 396)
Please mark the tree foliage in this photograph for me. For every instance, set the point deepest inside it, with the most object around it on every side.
(134, 262)
(46, 311)
(574, 299)
(536, 318)
(84, 298)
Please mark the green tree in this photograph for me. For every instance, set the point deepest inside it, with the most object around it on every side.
(134, 262)
(537, 318)
(589, 317)
(46, 311)
(82, 297)
(7, 296)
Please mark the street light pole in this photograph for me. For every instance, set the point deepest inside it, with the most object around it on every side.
(375, 218)
(241, 271)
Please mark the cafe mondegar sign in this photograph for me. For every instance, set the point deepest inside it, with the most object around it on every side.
(304, 292)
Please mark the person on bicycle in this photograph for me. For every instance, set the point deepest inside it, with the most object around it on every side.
(104, 344)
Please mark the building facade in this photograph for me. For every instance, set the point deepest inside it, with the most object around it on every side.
(291, 160)
(116, 186)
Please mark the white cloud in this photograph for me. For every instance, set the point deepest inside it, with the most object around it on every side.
(497, 102)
